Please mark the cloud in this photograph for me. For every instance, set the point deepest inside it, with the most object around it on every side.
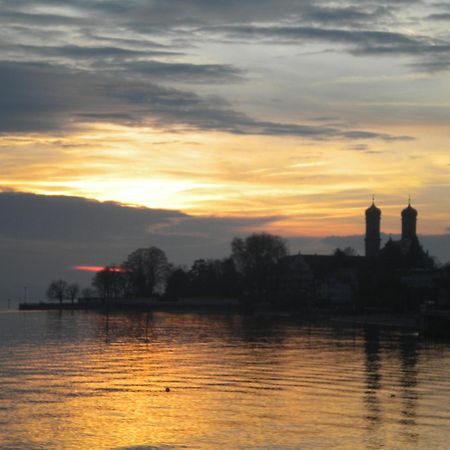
(365, 26)
(18, 17)
(432, 65)
(359, 147)
(361, 41)
(123, 62)
(347, 15)
(439, 17)
(176, 13)
(76, 52)
(49, 98)
(74, 219)
(44, 237)
(185, 72)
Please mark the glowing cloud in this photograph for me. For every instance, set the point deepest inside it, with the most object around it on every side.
(96, 268)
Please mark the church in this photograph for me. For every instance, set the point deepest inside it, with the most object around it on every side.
(408, 247)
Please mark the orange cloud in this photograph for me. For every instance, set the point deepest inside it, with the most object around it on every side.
(96, 268)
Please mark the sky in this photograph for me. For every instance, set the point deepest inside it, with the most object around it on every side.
(229, 116)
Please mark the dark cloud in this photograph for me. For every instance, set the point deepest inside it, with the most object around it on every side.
(329, 26)
(432, 65)
(77, 52)
(38, 19)
(174, 13)
(128, 42)
(188, 73)
(96, 57)
(140, 41)
(44, 97)
(43, 237)
(347, 15)
(359, 147)
(439, 17)
(74, 219)
(361, 41)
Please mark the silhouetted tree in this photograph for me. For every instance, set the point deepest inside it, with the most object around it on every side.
(109, 283)
(350, 251)
(88, 293)
(146, 271)
(177, 283)
(229, 278)
(72, 291)
(213, 278)
(444, 285)
(255, 258)
(202, 278)
(57, 290)
(206, 278)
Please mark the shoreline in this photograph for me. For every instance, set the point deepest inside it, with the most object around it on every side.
(428, 324)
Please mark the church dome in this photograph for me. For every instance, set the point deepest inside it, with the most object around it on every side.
(373, 210)
(409, 211)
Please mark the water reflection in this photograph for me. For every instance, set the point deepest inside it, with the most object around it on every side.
(408, 346)
(90, 380)
(373, 385)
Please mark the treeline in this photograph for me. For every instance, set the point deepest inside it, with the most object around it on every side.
(205, 278)
(146, 273)
(257, 270)
(62, 290)
(143, 274)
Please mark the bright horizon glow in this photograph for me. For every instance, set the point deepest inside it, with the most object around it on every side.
(321, 191)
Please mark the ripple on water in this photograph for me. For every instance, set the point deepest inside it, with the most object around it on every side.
(89, 381)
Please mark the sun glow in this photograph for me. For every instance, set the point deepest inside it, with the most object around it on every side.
(313, 189)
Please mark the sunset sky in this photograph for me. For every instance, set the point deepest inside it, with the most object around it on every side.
(294, 109)
(287, 114)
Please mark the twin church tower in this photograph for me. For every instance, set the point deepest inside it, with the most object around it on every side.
(373, 238)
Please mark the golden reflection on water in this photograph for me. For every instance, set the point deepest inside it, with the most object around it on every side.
(91, 381)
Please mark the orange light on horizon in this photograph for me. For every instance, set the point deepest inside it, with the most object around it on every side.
(96, 268)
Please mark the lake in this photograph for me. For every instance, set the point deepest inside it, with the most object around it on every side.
(86, 380)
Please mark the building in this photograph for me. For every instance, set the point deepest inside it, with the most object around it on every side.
(409, 223)
(335, 277)
(373, 239)
(408, 244)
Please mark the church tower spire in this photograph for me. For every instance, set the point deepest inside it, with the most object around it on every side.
(373, 239)
(409, 222)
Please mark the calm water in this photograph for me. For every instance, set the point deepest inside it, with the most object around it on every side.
(88, 381)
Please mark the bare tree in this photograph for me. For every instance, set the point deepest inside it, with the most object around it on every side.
(88, 293)
(72, 291)
(146, 270)
(255, 258)
(109, 283)
(57, 290)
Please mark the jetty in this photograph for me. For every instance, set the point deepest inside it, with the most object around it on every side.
(148, 304)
